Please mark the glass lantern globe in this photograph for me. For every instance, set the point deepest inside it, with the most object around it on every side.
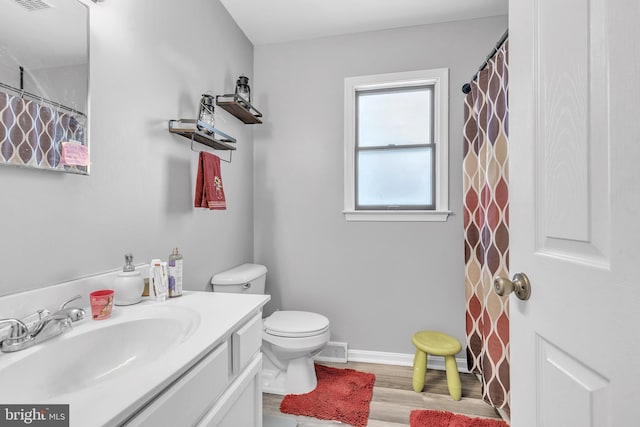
(243, 91)
(205, 113)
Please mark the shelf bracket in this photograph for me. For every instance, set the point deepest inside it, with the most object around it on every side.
(213, 138)
(197, 151)
(239, 107)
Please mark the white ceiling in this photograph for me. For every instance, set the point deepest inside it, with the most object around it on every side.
(275, 21)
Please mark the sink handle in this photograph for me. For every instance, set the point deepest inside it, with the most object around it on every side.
(72, 313)
(18, 329)
(64, 304)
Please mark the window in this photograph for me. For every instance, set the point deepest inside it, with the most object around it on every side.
(396, 147)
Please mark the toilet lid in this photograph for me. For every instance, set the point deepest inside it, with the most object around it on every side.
(295, 324)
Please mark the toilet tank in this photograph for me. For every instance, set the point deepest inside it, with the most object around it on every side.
(245, 278)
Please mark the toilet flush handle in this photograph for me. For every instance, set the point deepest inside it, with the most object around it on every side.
(246, 286)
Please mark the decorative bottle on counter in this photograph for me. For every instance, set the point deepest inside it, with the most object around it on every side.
(175, 274)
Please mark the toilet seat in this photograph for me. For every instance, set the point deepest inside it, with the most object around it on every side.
(295, 324)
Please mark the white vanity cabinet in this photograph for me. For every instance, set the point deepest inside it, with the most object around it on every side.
(242, 405)
(221, 389)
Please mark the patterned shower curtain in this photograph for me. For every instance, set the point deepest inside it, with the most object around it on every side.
(486, 226)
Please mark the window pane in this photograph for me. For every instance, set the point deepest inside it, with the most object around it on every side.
(395, 177)
(395, 116)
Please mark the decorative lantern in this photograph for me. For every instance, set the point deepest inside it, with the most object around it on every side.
(205, 114)
(243, 91)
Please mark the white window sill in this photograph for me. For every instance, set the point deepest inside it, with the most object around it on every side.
(396, 216)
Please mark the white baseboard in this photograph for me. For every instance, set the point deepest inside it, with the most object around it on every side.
(401, 359)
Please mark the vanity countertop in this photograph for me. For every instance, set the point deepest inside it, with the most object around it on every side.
(111, 397)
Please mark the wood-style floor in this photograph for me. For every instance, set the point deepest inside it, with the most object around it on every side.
(393, 397)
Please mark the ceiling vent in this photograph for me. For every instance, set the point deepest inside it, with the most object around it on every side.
(32, 5)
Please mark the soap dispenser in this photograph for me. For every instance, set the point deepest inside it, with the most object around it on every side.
(129, 284)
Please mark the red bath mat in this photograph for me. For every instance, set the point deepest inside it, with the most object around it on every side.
(341, 395)
(428, 418)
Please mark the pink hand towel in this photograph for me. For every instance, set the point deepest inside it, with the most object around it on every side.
(209, 191)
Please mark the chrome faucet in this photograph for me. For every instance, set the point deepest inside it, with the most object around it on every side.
(47, 326)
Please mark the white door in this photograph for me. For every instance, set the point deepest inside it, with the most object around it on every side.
(574, 86)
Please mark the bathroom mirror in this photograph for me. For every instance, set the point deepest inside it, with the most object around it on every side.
(44, 84)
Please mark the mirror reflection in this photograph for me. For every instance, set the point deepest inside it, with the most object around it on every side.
(44, 80)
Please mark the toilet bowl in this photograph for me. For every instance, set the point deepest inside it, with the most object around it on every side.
(290, 339)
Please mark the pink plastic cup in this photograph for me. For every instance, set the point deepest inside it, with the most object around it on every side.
(101, 304)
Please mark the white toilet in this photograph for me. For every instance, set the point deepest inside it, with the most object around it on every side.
(289, 339)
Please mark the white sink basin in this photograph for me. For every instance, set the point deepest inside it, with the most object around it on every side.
(106, 370)
(96, 351)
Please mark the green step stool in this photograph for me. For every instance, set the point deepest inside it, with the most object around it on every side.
(436, 344)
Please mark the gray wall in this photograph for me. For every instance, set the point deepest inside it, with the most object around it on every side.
(377, 282)
(150, 62)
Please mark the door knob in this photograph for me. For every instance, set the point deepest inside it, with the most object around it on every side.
(520, 285)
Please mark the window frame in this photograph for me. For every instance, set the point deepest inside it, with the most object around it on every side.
(439, 79)
(393, 147)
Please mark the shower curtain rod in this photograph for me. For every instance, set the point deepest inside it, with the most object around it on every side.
(23, 93)
(466, 88)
